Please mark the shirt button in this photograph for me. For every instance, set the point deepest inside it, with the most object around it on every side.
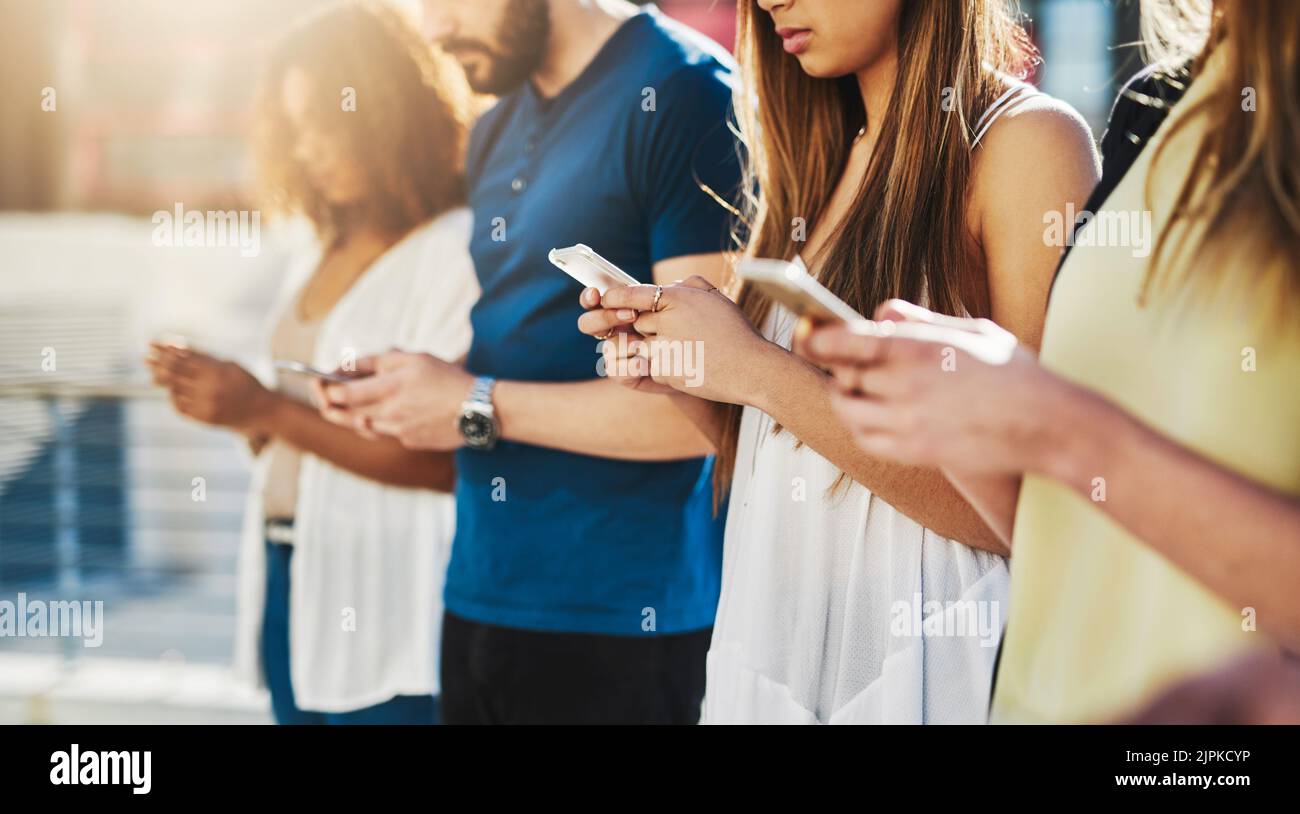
(529, 146)
(518, 184)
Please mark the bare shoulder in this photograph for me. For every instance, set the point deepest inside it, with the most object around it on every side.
(1040, 136)
(1038, 152)
(1038, 117)
(1036, 159)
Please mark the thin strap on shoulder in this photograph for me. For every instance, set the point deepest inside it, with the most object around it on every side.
(1012, 97)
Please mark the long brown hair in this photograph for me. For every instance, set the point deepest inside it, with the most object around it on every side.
(407, 132)
(1243, 186)
(906, 233)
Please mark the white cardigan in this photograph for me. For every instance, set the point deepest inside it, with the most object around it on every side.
(369, 560)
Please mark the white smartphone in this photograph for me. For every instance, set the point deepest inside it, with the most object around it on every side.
(308, 370)
(583, 264)
(790, 285)
(172, 340)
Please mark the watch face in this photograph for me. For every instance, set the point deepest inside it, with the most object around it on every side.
(478, 430)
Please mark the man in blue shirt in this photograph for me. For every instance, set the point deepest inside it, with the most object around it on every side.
(585, 571)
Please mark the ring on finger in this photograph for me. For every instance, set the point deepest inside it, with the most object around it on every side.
(654, 306)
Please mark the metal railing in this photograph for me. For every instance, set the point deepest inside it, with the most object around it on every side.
(98, 501)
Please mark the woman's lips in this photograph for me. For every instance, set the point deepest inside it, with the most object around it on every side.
(795, 40)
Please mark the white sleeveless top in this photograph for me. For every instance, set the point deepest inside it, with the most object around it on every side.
(836, 607)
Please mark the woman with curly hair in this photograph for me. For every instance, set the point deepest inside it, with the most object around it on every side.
(360, 129)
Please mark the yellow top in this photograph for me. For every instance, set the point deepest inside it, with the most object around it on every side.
(1100, 622)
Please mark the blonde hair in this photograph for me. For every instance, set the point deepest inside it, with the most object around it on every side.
(1174, 32)
(1243, 186)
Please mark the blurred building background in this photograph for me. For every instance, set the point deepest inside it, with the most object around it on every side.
(152, 95)
(111, 110)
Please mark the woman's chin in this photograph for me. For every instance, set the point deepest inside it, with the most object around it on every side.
(342, 199)
(819, 67)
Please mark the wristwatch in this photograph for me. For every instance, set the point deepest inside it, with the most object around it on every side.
(478, 419)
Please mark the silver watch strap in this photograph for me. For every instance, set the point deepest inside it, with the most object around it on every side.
(481, 392)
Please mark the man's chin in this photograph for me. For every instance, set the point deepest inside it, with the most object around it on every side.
(477, 76)
(493, 81)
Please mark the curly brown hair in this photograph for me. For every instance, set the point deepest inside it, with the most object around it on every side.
(407, 130)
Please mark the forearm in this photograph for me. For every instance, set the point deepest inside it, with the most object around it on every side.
(383, 460)
(994, 497)
(794, 393)
(1176, 501)
(597, 417)
(704, 414)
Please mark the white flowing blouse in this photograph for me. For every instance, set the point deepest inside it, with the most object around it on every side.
(369, 559)
(836, 607)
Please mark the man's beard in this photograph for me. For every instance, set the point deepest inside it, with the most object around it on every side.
(523, 34)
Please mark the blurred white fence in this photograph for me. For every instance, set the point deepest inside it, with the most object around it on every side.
(98, 475)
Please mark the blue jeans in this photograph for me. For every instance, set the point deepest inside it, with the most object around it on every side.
(403, 709)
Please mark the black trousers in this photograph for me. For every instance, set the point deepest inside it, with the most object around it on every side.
(499, 675)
